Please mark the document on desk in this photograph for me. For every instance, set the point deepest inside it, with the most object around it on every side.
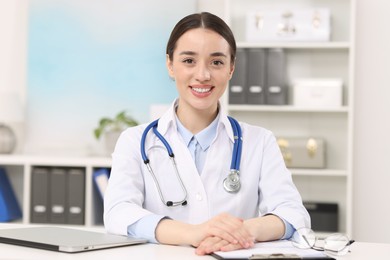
(275, 248)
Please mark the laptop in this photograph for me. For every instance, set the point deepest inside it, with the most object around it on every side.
(64, 239)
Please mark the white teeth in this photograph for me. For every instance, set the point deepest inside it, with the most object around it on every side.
(201, 90)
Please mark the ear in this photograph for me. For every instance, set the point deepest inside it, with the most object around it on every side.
(232, 67)
(169, 65)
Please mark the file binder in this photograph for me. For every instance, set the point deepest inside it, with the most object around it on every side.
(100, 178)
(237, 86)
(256, 76)
(39, 195)
(324, 215)
(9, 206)
(58, 183)
(76, 196)
(276, 93)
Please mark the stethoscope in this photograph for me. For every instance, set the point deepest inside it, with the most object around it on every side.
(231, 183)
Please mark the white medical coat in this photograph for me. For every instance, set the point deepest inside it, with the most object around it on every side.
(266, 183)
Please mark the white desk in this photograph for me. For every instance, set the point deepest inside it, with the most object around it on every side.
(360, 251)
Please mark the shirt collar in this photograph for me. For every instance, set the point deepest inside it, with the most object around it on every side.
(204, 137)
(168, 120)
(207, 135)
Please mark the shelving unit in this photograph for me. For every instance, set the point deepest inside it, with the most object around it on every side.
(19, 168)
(332, 59)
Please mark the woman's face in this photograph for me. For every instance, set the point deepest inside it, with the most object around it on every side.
(201, 68)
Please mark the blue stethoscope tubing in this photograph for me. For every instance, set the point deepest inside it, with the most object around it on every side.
(237, 147)
(231, 183)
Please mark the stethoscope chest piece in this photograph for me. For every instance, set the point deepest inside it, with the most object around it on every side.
(232, 182)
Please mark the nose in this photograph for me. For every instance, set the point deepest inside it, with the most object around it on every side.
(203, 73)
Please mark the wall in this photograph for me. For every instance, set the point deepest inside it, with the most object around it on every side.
(13, 52)
(372, 123)
(13, 45)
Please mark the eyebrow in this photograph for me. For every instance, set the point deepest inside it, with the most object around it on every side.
(214, 54)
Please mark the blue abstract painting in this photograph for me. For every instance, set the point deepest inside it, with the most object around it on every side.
(93, 58)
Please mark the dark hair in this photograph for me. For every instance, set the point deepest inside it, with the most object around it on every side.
(201, 20)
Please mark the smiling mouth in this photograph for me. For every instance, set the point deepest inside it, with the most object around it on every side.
(201, 90)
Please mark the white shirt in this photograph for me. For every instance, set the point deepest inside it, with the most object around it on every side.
(267, 187)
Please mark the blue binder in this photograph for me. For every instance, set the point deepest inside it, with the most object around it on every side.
(100, 177)
(9, 206)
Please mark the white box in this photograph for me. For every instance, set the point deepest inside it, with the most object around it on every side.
(288, 24)
(318, 93)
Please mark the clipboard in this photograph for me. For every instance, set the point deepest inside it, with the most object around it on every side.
(282, 250)
(276, 256)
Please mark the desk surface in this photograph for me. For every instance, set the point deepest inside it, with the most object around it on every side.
(360, 251)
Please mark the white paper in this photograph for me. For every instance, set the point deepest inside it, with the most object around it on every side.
(276, 247)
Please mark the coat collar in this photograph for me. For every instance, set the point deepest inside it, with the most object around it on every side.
(167, 121)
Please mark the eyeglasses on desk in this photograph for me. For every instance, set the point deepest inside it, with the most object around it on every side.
(334, 244)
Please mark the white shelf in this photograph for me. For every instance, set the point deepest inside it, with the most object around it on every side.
(295, 45)
(285, 108)
(319, 172)
(48, 160)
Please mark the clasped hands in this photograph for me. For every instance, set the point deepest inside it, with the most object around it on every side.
(223, 232)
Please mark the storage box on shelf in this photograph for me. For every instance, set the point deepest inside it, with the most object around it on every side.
(333, 59)
(20, 170)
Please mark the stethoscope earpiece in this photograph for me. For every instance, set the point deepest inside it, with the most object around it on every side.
(171, 203)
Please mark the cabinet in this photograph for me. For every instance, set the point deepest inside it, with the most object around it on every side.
(332, 59)
(19, 171)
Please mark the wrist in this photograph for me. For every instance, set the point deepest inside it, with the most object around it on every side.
(265, 228)
(193, 235)
(174, 232)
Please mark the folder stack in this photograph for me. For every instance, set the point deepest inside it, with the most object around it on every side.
(76, 179)
(259, 77)
(57, 195)
(9, 206)
(237, 91)
(256, 74)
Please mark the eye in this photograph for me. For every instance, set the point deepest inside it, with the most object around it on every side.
(217, 63)
(188, 61)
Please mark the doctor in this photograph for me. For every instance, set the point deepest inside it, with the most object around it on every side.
(182, 199)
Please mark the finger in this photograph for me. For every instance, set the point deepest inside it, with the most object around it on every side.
(210, 245)
(232, 230)
(242, 235)
(230, 247)
(223, 234)
(205, 244)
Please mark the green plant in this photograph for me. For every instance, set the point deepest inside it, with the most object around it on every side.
(118, 123)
